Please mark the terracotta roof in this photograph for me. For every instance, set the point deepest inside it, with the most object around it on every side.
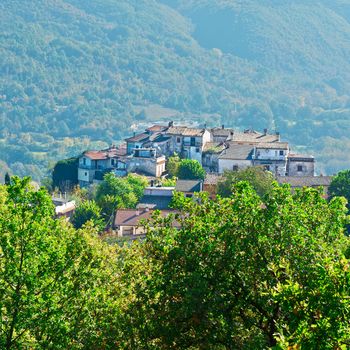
(212, 179)
(157, 128)
(132, 217)
(188, 186)
(305, 181)
(184, 131)
(238, 151)
(137, 138)
(96, 155)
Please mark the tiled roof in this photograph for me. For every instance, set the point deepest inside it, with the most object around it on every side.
(305, 181)
(212, 179)
(138, 137)
(221, 131)
(96, 155)
(272, 145)
(254, 136)
(132, 217)
(300, 157)
(215, 147)
(237, 151)
(188, 186)
(157, 128)
(184, 131)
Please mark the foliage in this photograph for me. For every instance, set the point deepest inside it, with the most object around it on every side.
(87, 211)
(65, 174)
(260, 179)
(169, 182)
(246, 273)
(340, 185)
(53, 278)
(190, 169)
(115, 192)
(69, 68)
(173, 164)
(7, 179)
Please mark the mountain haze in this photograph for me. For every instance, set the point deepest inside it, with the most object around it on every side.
(78, 74)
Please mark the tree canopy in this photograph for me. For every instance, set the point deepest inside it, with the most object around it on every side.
(247, 273)
(260, 179)
(190, 169)
(53, 278)
(340, 185)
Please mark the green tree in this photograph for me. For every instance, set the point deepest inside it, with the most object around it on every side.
(65, 174)
(260, 179)
(115, 192)
(53, 278)
(7, 179)
(190, 169)
(246, 273)
(87, 211)
(173, 164)
(340, 185)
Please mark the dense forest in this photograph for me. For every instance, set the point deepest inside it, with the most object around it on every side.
(79, 74)
(242, 272)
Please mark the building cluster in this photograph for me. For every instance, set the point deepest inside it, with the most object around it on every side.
(216, 149)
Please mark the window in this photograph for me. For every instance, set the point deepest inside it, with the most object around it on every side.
(281, 153)
(178, 140)
(267, 167)
(235, 168)
(84, 161)
(85, 173)
(197, 149)
(300, 168)
(193, 141)
(112, 161)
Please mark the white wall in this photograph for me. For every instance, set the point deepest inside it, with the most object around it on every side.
(273, 154)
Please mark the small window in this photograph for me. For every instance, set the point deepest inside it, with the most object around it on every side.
(267, 167)
(197, 149)
(85, 173)
(300, 168)
(281, 153)
(84, 161)
(235, 168)
(178, 140)
(112, 161)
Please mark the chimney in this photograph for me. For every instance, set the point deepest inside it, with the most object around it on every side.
(134, 133)
(278, 135)
(222, 126)
(170, 124)
(137, 212)
(265, 131)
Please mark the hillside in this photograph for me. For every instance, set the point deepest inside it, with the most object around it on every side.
(78, 74)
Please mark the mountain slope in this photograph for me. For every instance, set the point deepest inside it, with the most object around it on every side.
(78, 72)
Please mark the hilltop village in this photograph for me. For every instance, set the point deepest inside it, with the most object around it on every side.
(214, 150)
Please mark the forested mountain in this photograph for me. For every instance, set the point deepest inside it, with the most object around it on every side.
(81, 73)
